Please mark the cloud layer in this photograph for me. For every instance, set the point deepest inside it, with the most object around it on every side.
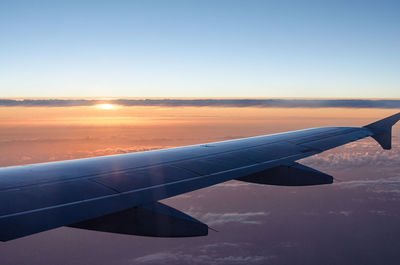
(262, 103)
(213, 254)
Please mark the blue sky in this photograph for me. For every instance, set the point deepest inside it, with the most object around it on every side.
(342, 49)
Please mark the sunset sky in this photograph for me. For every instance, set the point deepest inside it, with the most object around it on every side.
(87, 78)
(191, 48)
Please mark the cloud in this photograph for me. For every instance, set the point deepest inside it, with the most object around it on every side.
(182, 258)
(344, 213)
(206, 254)
(47, 102)
(234, 217)
(263, 103)
(123, 150)
(363, 153)
(219, 245)
(231, 184)
(164, 256)
(389, 186)
(381, 213)
(375, 182)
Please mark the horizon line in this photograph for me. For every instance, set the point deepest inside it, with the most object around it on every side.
(205, 102)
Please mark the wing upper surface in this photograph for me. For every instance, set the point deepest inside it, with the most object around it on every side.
(49, 195)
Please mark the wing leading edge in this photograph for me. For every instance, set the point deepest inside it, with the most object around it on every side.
(107, 193)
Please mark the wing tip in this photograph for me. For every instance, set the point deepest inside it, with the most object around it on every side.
(382, 130)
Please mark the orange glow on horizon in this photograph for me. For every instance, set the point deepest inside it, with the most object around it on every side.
(106, 106)
(40, 134)
(116, 115)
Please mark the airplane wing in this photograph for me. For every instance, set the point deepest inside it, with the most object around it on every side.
(120, 193)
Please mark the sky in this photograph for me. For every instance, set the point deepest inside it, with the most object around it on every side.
(339, 49)
(91, 78)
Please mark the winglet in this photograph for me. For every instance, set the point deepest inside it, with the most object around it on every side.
(382, 130)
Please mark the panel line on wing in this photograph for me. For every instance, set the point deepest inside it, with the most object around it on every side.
(262, 166)
(104, 185)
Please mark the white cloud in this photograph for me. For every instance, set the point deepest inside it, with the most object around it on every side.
(206, 254)
(374, 182)
(233, 217)
(182, 258)
(343, 212)
(362, 153)
(231, 184)
(219, 245)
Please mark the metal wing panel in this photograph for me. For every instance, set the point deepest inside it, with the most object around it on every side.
(28, 222)
(119, 179)
(337, 140)
(228, 161)
(41, 196)
(205, 166)
(18, 176)
(94, 187)
(323, 135)
(142, 178)
(273, 151)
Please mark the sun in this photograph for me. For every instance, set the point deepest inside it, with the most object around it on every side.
(106, 106)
